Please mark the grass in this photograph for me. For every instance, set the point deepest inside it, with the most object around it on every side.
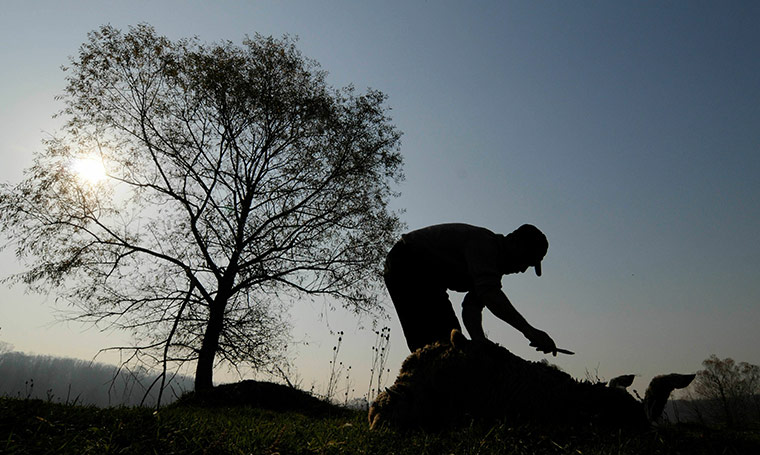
(34, 426)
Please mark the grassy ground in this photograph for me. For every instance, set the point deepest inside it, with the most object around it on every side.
(33, 426)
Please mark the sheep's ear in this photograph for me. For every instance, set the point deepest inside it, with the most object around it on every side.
(457, 338)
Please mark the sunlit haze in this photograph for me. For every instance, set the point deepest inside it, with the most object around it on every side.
(628, 132)
(89, 169)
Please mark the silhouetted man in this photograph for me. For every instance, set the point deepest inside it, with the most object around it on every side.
(426, 262)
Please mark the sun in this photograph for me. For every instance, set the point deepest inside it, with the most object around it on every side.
(89, 169)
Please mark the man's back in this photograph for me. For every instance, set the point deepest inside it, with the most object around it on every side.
(458, 256)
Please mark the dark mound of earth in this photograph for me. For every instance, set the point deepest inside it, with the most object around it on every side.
(263, 395)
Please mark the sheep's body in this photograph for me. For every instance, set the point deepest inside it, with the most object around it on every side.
(442, 384)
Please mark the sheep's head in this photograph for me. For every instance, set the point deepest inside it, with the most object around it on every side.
(659, 390)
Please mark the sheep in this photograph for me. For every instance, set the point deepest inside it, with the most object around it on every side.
(445, 384)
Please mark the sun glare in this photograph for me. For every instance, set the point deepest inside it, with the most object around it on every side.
(89, 170)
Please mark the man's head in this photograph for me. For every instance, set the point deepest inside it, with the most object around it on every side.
(527, 246)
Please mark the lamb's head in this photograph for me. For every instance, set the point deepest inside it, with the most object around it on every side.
(659, 390)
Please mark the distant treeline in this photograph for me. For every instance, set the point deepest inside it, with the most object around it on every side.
(77, 381)
(712, 412)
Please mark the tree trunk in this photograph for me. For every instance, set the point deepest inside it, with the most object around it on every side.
(204, 371)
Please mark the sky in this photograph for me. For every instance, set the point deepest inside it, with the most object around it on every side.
(628, 132)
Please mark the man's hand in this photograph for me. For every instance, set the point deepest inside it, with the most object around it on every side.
(542, 342)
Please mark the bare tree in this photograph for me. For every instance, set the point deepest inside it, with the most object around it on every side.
(232, 177)
(734, 388)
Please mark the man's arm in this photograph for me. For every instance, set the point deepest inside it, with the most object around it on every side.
(498, 303)
(472, 317)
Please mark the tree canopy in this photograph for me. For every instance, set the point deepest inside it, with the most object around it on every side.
(233, 176)
(733, 387)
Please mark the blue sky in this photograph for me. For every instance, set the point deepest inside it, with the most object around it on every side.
(628, 132)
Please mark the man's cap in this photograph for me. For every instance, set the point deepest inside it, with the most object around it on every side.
(532, 244)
